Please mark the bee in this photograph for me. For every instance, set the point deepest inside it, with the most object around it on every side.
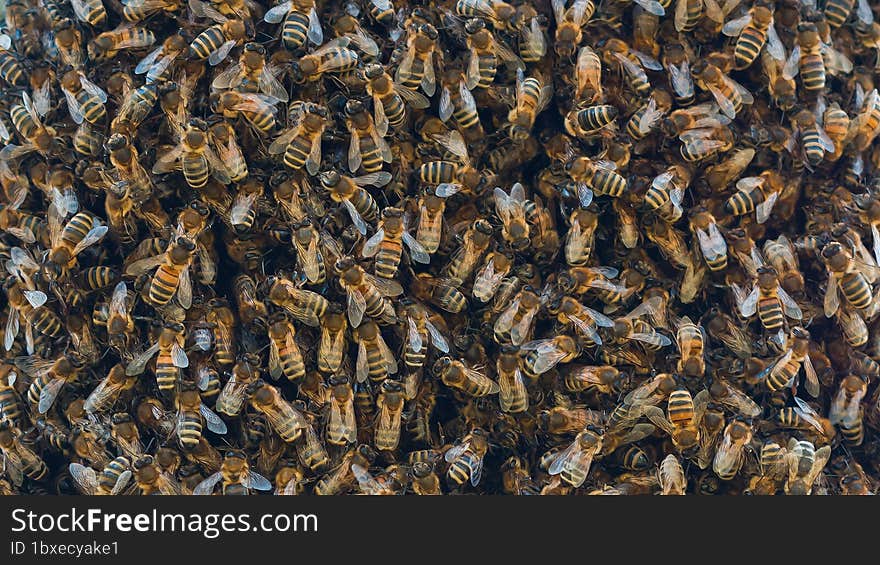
(573, 463)
(366, 294)
(648, 117)
(301, 23)
(194, 156)
(311, 452)
(814, 140)
(113, 480)
(866, 125)
(10, 69)
(288, 479)
(632, 327)
(223, 141)
(158, 64)
(584, 319)
(729, 94)
(486, 53)
(109, 43)
(256, 109)
(356, 200)
(151, 479)
(677, 64)
(457, 101)
(285, 357)
(171, 357)
(780, 255)
(501, 14)
(813, 59)
(367, 146)
(420, 330)
(754, 31)
(770, 301)
(570, 23)
(250, 309)
(851, 276)
(49, 378)
(845, 406)
(139, 10)
(387, 244)
(425, 480)
(172, 277)
(341, 425)
(671, 477)
(374, 358)
(332, 344)
(805, 464)
(581, 236)
(441, 292)
(532, 97)
(417, 67)
(19, 461)
(452, 177)
(512, 396)
(755, 193)
(217, 41)
(456, 374)
(85, 100)
(631, 64)
(515, 323)
(684, 415)
(10, 408)
(390, 405)
(235, 477)
(287, 421)
(107, 392)
(592, 177)
(666, 192)
(91, 12)
(234, 393)
(465, 458)
(301, 145)
(711, 241)
(784, 372)
(389, 98)
(544, 354)
(533, 41)
(601, 378)
(38, 137)
(126, 435)
(431, 208)
(691, 345)
(332, 57)
(304, 305)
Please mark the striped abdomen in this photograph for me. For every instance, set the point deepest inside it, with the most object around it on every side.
(749, 44)
(166, 373)
(295, 29)
(856, 289)
(813, 71)
(770, 312)
(164, 283)
(681, 408)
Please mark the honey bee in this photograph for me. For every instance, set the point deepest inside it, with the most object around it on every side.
(417, 67)
(113, 480)
(683, 417)
(108, 390)
(569, 311)
(754, 31)
(466, 458)
(49, 378)
(486, 53)
(109, 43)
(301, 23)
(172, 277)
(288, 479)
(456, 374)
(676, 61)
(311, 451)
(784, 372)
(671, 477)
(390, 98)
(516, 322)
(374, 358)
(512, 396)
(390, 405)
(91, 12)
(306, 306)
(570, 23)
(341, 425)
(217, 41)
(770, 301)
(812, 58)
(126, 435)
(532, 97)
(172, 357)
(805, 464)
(845, 406)
(287, 421)
(138, 10)
(851, 276)
(632, 327)
(501, 14)
(573, 463)
(452, 177)
(234, 393)
(631, 64)
(667, 192)
(235, 477)
(19, 460)
(285, 357)
(366, 294)
(866, 125)
(387, 244)
(355, 199)
(301, 144)
(780, 255)
(332, 344)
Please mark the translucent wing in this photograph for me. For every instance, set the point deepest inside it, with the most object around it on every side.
(217, 56)
(792, 310)
(774, 44)
(416, 250)
(139, 363)
(362, 368)
(315, 33)
(93, 89)
(734, 27)
(748, 306)
(812, 381)
(257, 481)
(357, 305)
(765, 208)
(207, 486)
(436, 337)
(456, 451)
(446, 108)
(94, 236)
(651, 338)
(73, 106)
(49, 394)
(213, 421)
(277, 13)
(726, 105)
(85, 478)
(793, 64)
(414, 337)
(386, 287)
(652, 7)
(354, 151)
(808, 414)
(741, 402)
